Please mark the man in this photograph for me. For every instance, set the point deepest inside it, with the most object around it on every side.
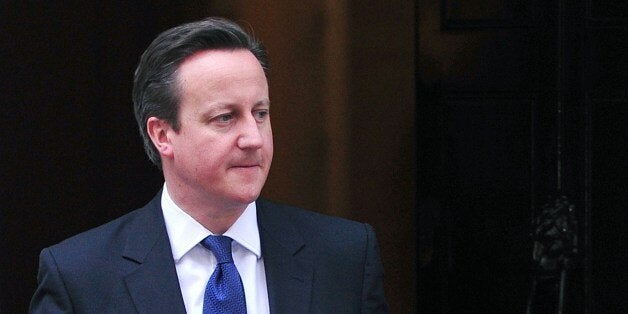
(206, 243)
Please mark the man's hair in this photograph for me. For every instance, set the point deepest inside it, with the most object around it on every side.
(156, 90)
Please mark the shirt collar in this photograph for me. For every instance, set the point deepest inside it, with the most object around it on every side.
(185, 232)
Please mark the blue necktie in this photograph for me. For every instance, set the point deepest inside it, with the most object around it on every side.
(224, 292)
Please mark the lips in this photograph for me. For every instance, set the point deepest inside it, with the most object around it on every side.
(246, 166)
(247, 163)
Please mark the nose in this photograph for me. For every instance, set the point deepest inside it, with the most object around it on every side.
(250, 135)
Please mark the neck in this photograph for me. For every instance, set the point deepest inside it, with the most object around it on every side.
(217, 224)
(214, 215)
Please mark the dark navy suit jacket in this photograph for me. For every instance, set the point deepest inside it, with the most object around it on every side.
(314, 264)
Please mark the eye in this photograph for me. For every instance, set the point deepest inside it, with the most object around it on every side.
(261, 115)
(223, 118)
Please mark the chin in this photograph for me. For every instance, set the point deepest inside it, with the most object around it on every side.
(246, 197)
(244, 191)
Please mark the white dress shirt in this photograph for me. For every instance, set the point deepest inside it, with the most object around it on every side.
(195, 264)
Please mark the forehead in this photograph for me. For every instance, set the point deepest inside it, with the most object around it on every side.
(222, 75)
(219, 62)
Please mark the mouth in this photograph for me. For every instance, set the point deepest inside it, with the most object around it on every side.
(249, 163)
(246, 170)
(246, 166)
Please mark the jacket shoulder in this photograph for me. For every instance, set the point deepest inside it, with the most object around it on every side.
(101, 242)
(314, 225)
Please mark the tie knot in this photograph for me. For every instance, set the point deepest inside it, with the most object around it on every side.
(220, 246)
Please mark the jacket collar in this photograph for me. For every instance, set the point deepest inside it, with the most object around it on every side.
(288, 270)
(153, 283)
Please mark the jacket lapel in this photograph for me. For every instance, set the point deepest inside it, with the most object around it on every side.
(288, 271)
(153, 284)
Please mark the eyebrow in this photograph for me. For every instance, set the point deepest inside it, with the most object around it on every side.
(212, 111)
(262, 102)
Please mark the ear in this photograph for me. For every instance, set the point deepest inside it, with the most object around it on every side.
(158, 131)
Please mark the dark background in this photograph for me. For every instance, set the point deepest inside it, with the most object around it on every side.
(520, 102)
(446, 125)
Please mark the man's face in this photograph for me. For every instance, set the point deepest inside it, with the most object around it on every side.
(224, 147)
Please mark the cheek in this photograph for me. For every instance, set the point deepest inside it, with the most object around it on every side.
(269, 142)
(213, 154)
